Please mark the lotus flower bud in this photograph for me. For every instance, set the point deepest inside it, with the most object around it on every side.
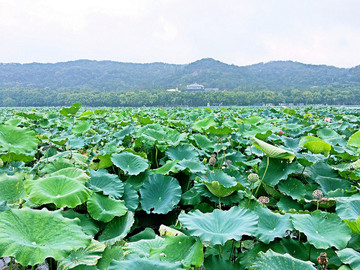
(212, 161)
(263, 199)
(317, 194)
(1, 163)
(281, 132)
(204, 161)
(253, 178)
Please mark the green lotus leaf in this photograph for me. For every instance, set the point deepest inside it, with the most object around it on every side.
(130, 163)
(3, 206)
(17, 140)
(273, 151)
(72, 110)
(71, 172)
(278, 170)
(214, 262)
(83, 256)
(193, 166)
(12, 187)
(144, 264)
(220, 226)
(354, 139)
(181, 248)
(76, 143)
(221, 184)
(131, 197)
(88, 225)
(56, 165)
(205, 143)
(159, 194)
(271, 225)
(180, 152)
(272, 260)
(323, 230)
(110, 254)
(104, 209)
(80, 127)
(117, 229)
(203, 124)
(219, 131)
(108, 184)
(33, 235)
(142, 247)
(293, 188)
(348, 208)
(60, 190)
(315, 145)
(102, 162)
(169, 166)
(350, 256)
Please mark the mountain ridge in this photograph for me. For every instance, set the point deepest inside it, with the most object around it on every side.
(108, 75)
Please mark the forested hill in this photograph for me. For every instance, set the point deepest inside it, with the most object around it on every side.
(112, 76)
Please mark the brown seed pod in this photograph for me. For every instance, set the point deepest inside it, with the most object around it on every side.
(263, 199)
(323, 260)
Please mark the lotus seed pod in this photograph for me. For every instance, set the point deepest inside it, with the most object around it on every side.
(228, 161)
(213, 155)
(263, 199)
(212, 161)
(253, 178)
(317, 194)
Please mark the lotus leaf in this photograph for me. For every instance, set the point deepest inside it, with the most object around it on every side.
(169, 166)
(17, 140)
(272, 260)
(33, 235)
(71, 172)
(144, 264)
(88, 225)
(323, 230)
(180, 152)
(104, 209)
(348, 208)
(159, 194)
(131, 197)
(193, 166)
(354, 139)
(273, 151)
(108, 184)
(142, 247)
(213, 262)
(72, 110)
(271, 225)
(117, 229)
(83, 256)
(220, 184)
(181, 248)
(80, 127)
(60, 190)
(220, 226)
(203, 124)
(130, 163)
(351, 257)
(12, 187)
(315, 145)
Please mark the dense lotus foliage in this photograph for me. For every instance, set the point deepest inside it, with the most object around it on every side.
(180, 188)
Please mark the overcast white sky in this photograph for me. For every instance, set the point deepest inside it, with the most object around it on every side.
(239, 32)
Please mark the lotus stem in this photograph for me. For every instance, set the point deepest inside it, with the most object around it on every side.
(219, 203)
(317, 205)
(156, 154)
(262, 179)
(11, 261)
(220, 251)
(252, 189)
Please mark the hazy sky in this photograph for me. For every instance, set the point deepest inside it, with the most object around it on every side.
(239, 32)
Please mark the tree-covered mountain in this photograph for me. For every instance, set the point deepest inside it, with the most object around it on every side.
(117, 76)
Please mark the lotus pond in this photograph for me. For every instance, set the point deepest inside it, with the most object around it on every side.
(184, 188)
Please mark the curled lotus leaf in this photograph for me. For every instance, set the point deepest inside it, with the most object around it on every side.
(60, 190)
(220, 226)
(11, 187)
(33, 235)
(17, 140)
(315, 145)
(273, 151)
(104, 209)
